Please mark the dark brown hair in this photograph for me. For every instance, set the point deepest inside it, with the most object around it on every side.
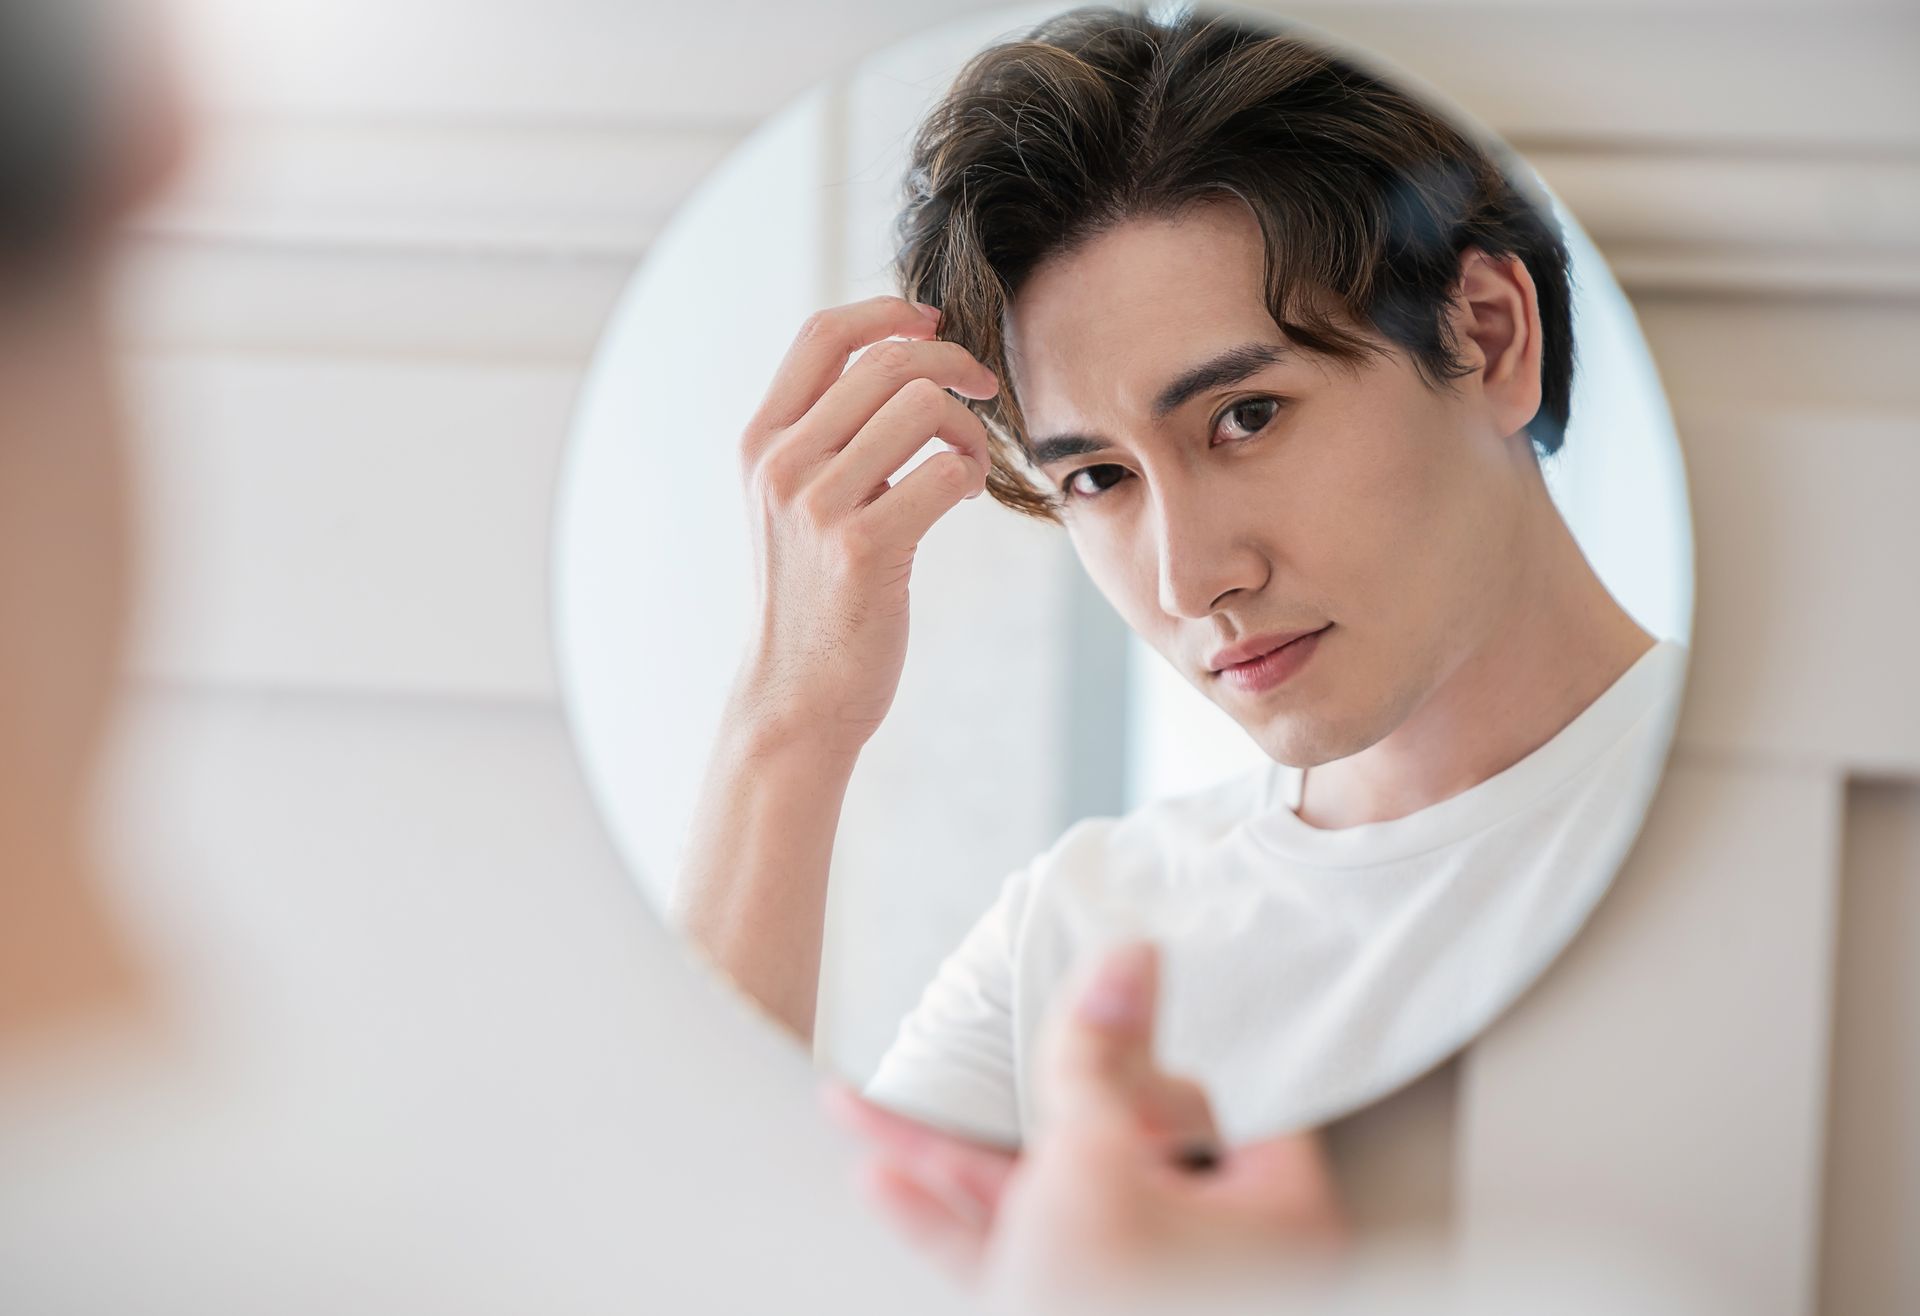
(1366, 198)
(47, 120)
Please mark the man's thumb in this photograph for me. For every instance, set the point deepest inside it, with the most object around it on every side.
(1102, 1047)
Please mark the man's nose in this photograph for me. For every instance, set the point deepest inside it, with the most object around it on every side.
(1204, 557)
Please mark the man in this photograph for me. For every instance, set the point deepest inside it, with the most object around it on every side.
(1280, 348)
(70, 165)
(142, 1174)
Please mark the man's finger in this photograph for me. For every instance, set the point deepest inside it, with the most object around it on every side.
(1101, 1066)
(1099, 1051)
(1176, 1111)
(819, 352)
(1289, 1181)
(976, 1169)
(930, 1221)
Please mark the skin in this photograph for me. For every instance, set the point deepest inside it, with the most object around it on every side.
(1465, 626)
(1102, 1200)
(62, 598)
(1461, 625)
(833, 552)
(1109, 1201)
(65, 577)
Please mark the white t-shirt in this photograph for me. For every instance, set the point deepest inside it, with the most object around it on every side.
(1305, 971)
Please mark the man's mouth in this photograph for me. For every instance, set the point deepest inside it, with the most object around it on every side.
(1257, 647)
(1270, 663)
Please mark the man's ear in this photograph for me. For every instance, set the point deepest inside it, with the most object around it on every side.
(143, 105)
(1495, 316)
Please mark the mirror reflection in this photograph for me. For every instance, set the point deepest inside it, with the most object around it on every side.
(1276, 547)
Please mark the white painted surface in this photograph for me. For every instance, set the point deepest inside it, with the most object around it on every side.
(359, 522)
(1872, 1207)
(1671, 1067)
(400, 917)
(1747, 170)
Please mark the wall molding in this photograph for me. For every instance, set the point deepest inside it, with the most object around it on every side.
(1785, 222)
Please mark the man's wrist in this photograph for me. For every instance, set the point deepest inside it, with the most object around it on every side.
(763, 728)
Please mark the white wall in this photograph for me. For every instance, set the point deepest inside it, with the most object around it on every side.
(359, 334)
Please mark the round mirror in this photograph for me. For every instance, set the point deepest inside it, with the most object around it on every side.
(1326, 620)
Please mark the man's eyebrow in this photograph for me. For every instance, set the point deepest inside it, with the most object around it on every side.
(1227, 368)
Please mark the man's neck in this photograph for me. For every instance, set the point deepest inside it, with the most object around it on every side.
(1559, 644)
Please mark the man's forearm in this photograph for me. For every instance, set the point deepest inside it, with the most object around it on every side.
(752, 894)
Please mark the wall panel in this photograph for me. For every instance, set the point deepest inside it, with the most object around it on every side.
(359, 523)
(1872, 1202)
(361, 324)
(1664, 1086)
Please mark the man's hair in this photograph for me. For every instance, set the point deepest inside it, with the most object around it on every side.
(51, 129)
(1365, 197)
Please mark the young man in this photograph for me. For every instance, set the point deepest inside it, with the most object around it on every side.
(1281, 349)
(147, 1167)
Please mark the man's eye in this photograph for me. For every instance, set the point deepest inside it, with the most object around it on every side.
(1255, 414)
(1075, 490)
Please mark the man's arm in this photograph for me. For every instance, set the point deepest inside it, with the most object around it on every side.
(834, 544)
(752, 894)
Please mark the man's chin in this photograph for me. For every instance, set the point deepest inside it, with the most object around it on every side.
(1303, 741)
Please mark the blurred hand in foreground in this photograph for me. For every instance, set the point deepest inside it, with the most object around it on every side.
(1123, 1189)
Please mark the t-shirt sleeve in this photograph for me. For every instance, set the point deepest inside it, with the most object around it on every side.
(953, 1062)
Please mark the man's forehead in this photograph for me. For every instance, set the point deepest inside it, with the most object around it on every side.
(1134, 326)
(1126, 303)
(1130, 363)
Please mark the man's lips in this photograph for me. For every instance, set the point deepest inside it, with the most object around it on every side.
(1256, 647)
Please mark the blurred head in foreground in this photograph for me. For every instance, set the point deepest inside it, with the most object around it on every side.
(87, 132)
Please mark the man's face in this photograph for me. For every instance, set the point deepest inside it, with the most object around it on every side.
(1310, 494)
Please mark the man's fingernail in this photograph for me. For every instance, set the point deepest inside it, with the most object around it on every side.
(931, 312)
(1117, 997)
